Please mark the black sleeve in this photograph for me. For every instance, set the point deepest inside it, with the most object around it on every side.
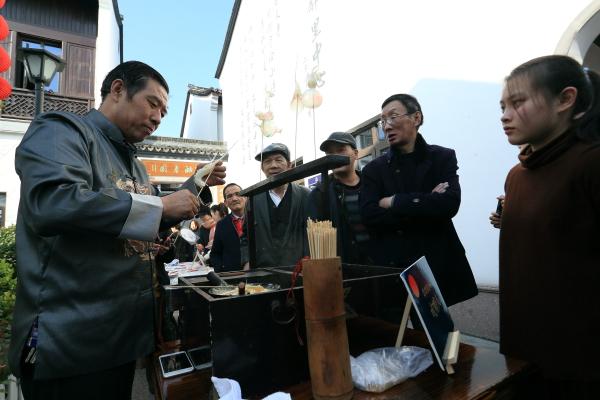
(216, 253)
(433, 205)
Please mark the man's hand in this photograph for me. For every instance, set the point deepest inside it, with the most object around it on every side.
(179, 205)
(217, 176)
(386, 202)
(441, 188)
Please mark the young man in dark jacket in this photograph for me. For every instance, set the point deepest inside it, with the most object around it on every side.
(408, 198)
(338, 201)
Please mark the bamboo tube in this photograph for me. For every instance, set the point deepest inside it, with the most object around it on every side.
(328, 354)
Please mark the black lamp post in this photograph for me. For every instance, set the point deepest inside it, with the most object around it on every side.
(40, 68)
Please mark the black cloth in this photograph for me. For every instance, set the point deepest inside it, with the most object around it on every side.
(419, 223)
(114, 383)
(229, 251)
(340, 205)
(203, 236)
(293, 244)
(279, 215)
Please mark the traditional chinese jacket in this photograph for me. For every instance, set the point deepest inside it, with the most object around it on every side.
(87, 217)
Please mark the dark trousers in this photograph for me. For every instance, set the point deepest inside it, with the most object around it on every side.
(114, 384)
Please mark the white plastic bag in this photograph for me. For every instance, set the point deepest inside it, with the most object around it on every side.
(379, 369)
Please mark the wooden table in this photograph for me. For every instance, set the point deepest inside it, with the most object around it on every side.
(480, 374)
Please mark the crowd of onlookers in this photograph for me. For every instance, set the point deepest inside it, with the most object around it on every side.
(89, 219)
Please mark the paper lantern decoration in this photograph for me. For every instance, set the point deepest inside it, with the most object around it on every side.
(267, 125)
(2, 2)
(3, 28)
(5, 89)
(296, 103)
(312, 97)
(4, 60)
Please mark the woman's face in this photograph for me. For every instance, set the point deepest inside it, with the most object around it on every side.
(527, 116)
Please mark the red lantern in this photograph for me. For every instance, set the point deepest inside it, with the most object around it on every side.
(5, 89)
(4, 60)
(3, 28)
(2, 3)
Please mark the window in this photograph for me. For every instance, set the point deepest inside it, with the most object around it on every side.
(37, 43)
(364, 161)
(364, 139)
(370, 141)
(2, 209)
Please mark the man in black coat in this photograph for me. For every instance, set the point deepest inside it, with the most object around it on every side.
(408, 199)
(230, 246)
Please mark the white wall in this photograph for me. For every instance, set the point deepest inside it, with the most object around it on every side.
(11, 133)
(452, 55)
(107, 45)
(202, 118)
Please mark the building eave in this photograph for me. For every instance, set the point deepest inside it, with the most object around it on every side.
(230, 28)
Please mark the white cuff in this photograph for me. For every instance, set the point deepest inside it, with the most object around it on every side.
(144, 218)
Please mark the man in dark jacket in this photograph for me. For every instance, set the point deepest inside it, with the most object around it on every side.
(88, 218)
(408, 199)
(338, 201)
(230, 247)
(279, 214)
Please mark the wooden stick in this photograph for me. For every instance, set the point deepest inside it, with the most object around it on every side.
(404, 322)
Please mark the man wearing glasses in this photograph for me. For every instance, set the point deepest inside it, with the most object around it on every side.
(230, 246)
(408, 199)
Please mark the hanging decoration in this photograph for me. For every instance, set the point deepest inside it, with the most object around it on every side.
(270, 29)
(312, 98)
(267, 125)
(5, 89)
(296, 103)
(5, 61)
(3, 28)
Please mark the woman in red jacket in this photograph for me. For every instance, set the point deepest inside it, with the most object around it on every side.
(549, 240)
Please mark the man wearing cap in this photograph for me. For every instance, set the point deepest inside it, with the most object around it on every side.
(279, 214)
(338, 201)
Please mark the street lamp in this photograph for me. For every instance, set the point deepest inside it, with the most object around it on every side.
(40, 68)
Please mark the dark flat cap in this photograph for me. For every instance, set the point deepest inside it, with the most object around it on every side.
(279, 148)
(339, 137)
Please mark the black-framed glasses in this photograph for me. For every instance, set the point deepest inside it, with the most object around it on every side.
(392, 119)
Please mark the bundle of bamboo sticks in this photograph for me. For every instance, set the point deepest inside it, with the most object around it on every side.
(322, 239)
